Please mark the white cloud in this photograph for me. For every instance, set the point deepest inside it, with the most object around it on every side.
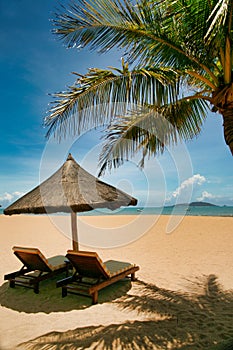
(206, 195)
(216, 198)
(183, 193)
(18, 194)
(7, 198)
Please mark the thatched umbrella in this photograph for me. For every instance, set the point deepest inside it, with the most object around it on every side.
(70, 189)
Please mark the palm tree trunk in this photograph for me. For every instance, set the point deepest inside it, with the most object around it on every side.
(222, 99)
(228, 127)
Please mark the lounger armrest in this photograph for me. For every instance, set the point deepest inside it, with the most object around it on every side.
(16, 274)
(64, 281)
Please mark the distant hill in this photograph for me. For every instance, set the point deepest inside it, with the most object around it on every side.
(202, 204)
(195, 204)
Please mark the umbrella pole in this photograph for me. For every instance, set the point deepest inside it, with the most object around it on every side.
(74, 231)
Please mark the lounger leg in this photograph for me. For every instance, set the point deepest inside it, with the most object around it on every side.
(12, 283)
(67, 268)
(133, 277)
(64, 292)
(36, 288)
(95, 298)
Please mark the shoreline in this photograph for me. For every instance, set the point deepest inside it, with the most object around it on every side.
(183, 296)
(122, 214)
(174, 210)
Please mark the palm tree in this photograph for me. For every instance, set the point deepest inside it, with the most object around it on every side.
(179, 65)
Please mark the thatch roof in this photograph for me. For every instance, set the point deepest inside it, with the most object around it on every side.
(71, 188)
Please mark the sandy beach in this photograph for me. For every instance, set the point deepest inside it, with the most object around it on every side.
(183, 298)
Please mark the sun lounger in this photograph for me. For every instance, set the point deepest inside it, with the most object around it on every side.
(91, 274)
(36, 268)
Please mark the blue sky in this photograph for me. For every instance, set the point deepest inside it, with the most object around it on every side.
(34, 63)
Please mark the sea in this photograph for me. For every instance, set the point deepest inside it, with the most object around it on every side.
(224, 211)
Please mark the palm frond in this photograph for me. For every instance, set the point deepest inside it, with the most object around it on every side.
(173, 47)
(96, 23)
(101, 94)
(149, 33)
(126, 136)
(150, 130)
(217, 19)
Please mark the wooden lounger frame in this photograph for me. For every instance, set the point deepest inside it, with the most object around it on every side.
(91, 274)
(36, 268)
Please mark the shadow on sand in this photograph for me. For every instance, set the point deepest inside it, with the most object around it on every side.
(50, 300)
(198, 319)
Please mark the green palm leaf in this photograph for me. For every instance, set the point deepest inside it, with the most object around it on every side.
(221, 10)
(101, 94)
(157, 27)
(180, 55)
(149, 130)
